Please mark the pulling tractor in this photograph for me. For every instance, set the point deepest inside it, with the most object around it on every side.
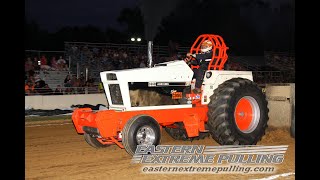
(230, 106)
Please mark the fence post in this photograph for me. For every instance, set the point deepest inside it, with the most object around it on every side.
(70, 63)
(86, 74)
(78, 69)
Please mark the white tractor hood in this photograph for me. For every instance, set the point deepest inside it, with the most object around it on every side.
(172, 71)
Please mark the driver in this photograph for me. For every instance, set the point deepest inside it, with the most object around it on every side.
(202, 59)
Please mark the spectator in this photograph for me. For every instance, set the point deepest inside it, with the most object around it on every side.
(73, 80)
(91, 88)
(54, 63)
(44, 64)
(36, 78)
(29, 88)
(62, 64)
(31, 78)
(75, 83)
(47, 90)
(39, 86)
(142, 64)
(67, 83)
(100, 87)
(28, 65)
(58, 90)
(25, 76)
(36, 63)
(82, 78)
(43, 60)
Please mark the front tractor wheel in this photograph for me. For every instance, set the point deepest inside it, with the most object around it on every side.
(140, 130)
(238, 113)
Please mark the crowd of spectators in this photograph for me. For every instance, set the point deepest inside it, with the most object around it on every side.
(234, 66)
(33, 83)
(103, 58)
(281, 61)
(113, 58)
(39, 87)
(72, 85)
(42, 63)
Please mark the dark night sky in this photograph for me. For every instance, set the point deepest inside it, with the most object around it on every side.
(271, 23)
(53, 14)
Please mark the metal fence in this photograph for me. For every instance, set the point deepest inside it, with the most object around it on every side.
(47, 54)
(85, 57)
(73, 55)
(161, 51)
(65, 91)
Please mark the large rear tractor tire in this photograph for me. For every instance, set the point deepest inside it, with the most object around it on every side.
(238, 113)
(93, 141)
(140, 130)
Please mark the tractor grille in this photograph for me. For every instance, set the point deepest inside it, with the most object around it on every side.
(115, 93)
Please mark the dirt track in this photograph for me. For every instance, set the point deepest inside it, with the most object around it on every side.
(56, 151)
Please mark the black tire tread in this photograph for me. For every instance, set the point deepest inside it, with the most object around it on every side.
(126, 129)
(125, 134)
(181, 134)
(220, 110)
(94, 142)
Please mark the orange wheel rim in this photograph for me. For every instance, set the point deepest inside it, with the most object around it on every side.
(247, 114)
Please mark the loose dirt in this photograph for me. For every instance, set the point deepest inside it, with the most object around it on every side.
(55, 151)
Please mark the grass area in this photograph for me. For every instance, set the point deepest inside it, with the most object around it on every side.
(46, 118)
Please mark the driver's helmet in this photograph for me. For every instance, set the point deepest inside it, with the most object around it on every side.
(206, 46)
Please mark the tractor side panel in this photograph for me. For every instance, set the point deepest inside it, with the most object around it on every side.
(110, 122)
(83, 117)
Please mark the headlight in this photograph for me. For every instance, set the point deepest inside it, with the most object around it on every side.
(208, 75)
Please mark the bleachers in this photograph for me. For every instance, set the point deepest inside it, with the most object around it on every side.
(53, 78)
(272, 67)
(250, 63)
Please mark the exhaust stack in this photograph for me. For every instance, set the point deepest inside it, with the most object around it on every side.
(150, 47)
